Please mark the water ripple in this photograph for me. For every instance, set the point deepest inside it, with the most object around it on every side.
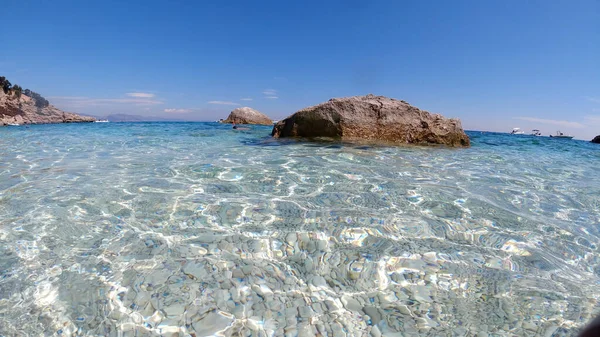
(192, 229)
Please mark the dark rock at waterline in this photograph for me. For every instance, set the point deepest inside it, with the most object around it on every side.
(372, 118)
(596, 140)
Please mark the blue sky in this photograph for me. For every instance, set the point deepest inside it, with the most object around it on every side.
(494, 64)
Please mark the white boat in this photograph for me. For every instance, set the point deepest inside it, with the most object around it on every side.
(536, 132)
(102, 121)
(561, 135)
(13, 124)
(517, 131)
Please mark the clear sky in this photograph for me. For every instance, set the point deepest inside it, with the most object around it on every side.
(494, 64)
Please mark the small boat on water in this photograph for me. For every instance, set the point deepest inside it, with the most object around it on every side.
(13, 124)
(561, 135)
(517, 131)
(536, 132)
(102, 121)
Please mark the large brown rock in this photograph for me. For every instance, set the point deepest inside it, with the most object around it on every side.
(596, 140)
(372, 118)
(248, 115)
(14, 110)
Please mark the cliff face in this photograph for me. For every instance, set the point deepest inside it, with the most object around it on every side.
(22, 110)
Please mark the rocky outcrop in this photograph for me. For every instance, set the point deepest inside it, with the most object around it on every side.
(247, 115)
(596, 140)
(372, 118)
(15, 110)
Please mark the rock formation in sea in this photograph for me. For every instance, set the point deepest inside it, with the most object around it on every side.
(596, 140)
(372, 118)
(248, 115)
(16, 107)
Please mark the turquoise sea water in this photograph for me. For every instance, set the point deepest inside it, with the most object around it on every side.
(193, 229)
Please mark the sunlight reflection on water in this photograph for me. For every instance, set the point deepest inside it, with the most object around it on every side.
(194, 229)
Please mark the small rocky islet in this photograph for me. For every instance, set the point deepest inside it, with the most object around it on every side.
(596, 140)
(372, 118)
(247, 115)
(362, 118)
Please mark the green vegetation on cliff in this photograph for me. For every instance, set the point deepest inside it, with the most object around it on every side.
(17, 90)
(5, 84)
(40, 101)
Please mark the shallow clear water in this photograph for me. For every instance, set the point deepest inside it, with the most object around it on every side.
(126, 229)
